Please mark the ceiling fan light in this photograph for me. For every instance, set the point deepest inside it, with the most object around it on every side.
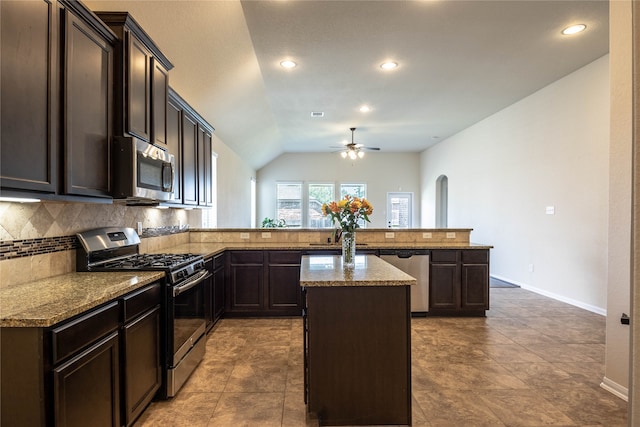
(344, 154)
(352, 155)
(361, 154)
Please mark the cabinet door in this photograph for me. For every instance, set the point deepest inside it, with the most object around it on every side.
(189, 160)
(218, 293)
(208, 295)
(285, 294)
(138, 88)
(246, 282)
(205, 194)
(174, 145)
(86, 388)
(141, 340)
(29, 101)
(444, 286)
(475, 286)
(87, 109)
(159, 102)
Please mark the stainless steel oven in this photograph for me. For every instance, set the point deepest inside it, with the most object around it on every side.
(186, 325)
(183, 296)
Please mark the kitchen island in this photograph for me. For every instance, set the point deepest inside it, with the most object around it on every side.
(357, 341)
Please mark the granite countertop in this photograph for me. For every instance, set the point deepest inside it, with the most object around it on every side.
(45, 302)
(327, 271)
(212, 249)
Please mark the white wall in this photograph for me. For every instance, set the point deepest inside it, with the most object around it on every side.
(549, 149)
(233, 187)
(619, 277)
(382, 172)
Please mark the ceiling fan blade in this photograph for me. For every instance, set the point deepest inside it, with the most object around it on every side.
(370, 148)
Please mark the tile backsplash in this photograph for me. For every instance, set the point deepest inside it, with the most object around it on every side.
(22, 221)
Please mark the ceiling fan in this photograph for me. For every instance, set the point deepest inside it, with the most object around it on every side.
(353, 150)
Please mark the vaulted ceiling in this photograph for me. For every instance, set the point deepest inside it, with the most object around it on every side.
(458, 62)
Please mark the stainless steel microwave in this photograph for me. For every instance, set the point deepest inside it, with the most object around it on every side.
(141, 171)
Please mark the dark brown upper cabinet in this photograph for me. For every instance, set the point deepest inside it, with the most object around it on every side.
(57, 78)
(30, 95)
(141, 81)
(190, 140)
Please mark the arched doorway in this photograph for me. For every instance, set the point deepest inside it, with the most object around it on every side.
(442, 201)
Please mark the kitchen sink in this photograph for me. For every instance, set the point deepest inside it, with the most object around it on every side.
(334, 244)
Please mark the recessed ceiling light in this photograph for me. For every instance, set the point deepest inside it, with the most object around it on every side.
(365, 109)
(287, 63)
(574, 29)
(389, 65)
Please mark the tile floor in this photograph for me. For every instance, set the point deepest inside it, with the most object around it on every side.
(532, 361)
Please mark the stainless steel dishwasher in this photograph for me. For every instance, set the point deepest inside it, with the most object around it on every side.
(414, 262)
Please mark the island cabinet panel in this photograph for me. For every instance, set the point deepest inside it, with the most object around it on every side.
(459, 282)
(29, 86)
(88, 119)
(358, 354)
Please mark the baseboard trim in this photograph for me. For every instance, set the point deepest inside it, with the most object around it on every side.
(576, 303)
(615, 389)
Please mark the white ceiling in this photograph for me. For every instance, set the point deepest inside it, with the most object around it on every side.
(460, 61)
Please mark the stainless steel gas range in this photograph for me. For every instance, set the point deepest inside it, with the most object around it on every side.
(183, 306)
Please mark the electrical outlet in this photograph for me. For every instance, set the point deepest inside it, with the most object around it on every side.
(244, 235)
(266, 235)
(390, 235)
(139, 227)
(427, 235)
(451, 235)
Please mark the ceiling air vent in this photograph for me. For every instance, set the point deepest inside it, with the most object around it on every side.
(317, 114)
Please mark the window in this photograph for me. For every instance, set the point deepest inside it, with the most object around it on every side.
(442, 201)
(289, 203)
(319, 194)
(253, 202)
(399, 207)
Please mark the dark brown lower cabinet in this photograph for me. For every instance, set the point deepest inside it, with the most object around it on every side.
(358, 354)
(100, 368)
(218, 287)
(142, 372)
(87, 387)
(263, 283)
(459, 282)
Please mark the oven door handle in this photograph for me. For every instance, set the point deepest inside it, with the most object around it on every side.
(190, 283)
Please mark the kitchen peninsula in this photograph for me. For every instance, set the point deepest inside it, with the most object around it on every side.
(357, 341)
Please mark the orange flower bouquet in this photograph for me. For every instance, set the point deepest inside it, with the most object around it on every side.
(346, 213)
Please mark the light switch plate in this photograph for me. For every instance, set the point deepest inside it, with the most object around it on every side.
(139, 227)
(451, 235)
(427, 235)
(390, 235)
(244, 235)
(266, 235)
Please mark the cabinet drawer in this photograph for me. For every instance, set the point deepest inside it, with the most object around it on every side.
(71, 337)
(246, 257)
(140, 301)
(475, 257)
(444, 256)
(285, 257)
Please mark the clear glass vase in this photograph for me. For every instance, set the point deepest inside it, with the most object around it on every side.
(348, 249)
